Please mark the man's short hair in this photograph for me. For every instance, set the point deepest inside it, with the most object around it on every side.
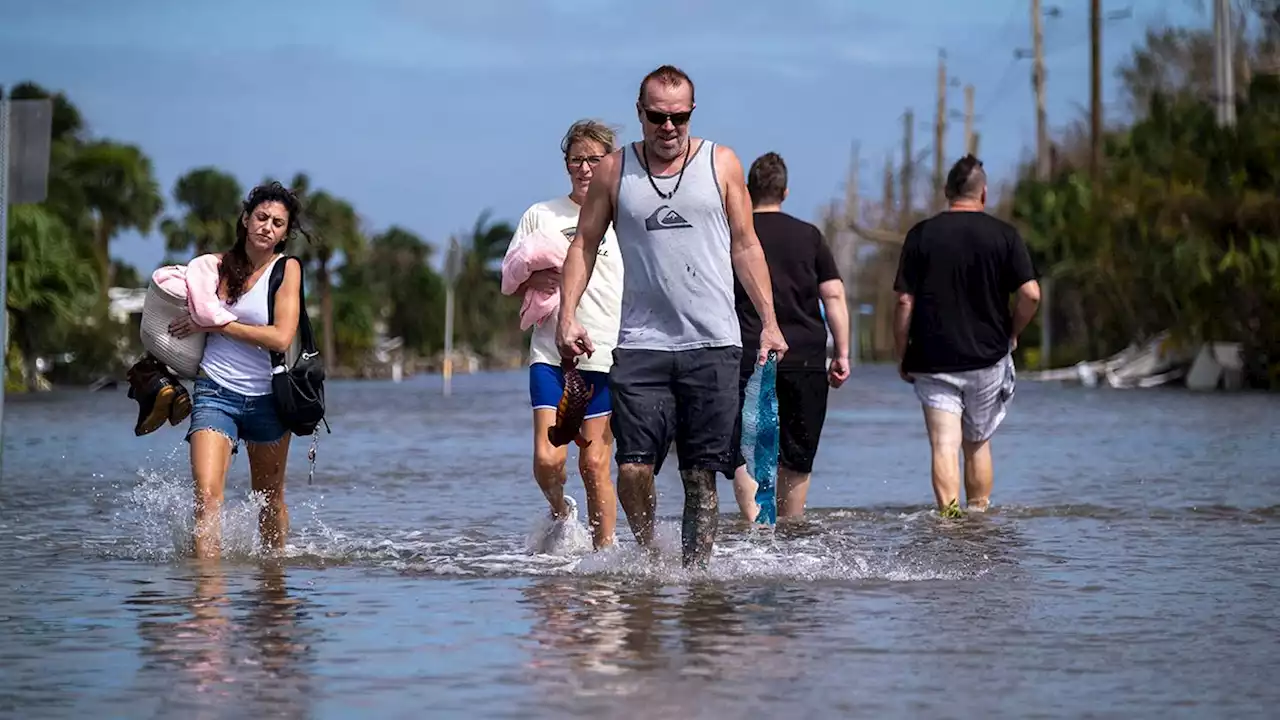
(668, 76)
(966, 179)
(767, 179)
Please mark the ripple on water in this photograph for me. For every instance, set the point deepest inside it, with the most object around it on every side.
(1127, 568)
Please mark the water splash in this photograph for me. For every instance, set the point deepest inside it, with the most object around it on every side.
(154, 522)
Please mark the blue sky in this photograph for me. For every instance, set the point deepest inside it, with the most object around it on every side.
(426, 113)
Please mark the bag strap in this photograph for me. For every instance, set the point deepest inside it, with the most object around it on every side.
(308, 340)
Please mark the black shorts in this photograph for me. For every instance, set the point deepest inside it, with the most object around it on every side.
(688, 397)
(802, 409)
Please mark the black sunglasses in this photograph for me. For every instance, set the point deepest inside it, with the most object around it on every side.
(661, 118)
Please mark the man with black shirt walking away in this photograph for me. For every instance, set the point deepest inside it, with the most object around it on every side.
(683, 221)
(803, 274)
(954, 333)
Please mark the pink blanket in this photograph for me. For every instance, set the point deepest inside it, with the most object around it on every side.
(197, 281)
(530, 253)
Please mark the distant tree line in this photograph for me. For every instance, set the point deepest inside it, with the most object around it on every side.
(1180, 229)
(360, 282)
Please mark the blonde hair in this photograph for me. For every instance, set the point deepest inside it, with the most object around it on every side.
(593, 130)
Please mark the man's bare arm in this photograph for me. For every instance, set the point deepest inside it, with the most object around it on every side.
(902, 323)
(593, 221)
(1025, 309)
(747, 255)
(837, 310)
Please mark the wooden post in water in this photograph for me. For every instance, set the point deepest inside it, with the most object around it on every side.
(452, 267)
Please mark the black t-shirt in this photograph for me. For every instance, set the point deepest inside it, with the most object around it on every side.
(798, 260)
(961, 268)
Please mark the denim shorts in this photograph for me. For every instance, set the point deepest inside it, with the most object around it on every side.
(251, 418)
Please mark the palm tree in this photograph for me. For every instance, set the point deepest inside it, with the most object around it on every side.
(338, 230)
(482, 309)
(399, 269)
(50, 283)
(118, 186)
(334, 227)
(212, 200)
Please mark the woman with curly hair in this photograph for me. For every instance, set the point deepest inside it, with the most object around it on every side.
(233, 396)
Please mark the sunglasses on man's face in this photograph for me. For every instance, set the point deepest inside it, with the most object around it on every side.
(660, 118)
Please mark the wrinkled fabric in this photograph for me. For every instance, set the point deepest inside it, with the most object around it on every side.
(533, 252)
(197, 281)
(760, 436)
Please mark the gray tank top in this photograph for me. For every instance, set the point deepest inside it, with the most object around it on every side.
(677, 283)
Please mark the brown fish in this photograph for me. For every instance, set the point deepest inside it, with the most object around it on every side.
(572, 408)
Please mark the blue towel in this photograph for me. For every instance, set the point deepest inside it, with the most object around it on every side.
(760, 437)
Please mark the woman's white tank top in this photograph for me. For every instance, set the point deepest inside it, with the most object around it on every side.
(234, 364)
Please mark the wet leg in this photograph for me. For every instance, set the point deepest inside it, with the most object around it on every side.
(593, 463)
(210, 458)
(639, 500)
(267, 463)
(978, 474)
(744, 491)
(701, 517)
(793, 491)
(549, 462)
(944, 440)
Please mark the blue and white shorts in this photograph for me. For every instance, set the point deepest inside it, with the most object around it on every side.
(546, 386)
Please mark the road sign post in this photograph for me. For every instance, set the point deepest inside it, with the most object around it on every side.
(25, 127)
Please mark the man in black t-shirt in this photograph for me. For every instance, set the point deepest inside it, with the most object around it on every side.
(803, 274)
(955, 334)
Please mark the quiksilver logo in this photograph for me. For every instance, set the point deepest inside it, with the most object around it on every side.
(664, 218)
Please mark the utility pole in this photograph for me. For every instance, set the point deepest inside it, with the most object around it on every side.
(1224, 84)
(940, 133)
(904, 213)
(1042, 170)
(887, 204)
(1037, 82)
(1095, 88)
(853, 303)
(970, 147)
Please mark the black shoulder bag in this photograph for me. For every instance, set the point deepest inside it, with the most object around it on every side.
(298, 390)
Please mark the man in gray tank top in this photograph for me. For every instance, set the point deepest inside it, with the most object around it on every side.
(682, 216)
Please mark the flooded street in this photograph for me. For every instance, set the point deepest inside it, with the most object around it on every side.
(1128, 569)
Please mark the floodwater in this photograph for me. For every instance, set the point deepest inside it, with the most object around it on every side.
(1129, 569)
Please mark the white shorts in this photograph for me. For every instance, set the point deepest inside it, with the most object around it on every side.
(980, 397)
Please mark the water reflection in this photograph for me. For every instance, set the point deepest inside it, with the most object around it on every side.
(235, 644)
(674, 647)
